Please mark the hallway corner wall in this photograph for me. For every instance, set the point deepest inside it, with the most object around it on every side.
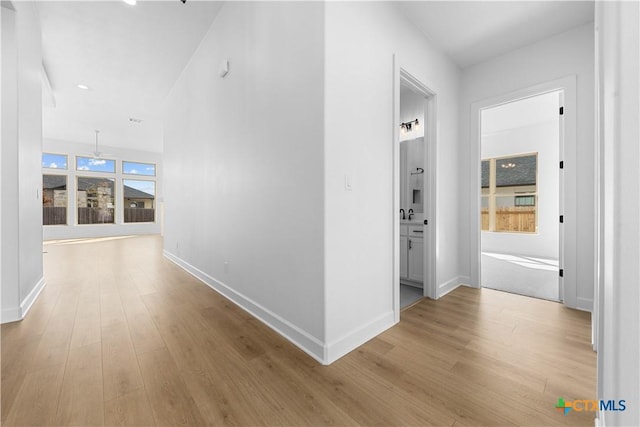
(22, 273)
(243, 165)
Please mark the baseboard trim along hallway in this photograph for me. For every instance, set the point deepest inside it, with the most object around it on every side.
(307, 343)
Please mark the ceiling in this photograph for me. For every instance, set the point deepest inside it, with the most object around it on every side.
(470, 32)
(128, 56)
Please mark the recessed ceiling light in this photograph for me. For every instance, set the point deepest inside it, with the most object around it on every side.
(130, 2)
(83, 87)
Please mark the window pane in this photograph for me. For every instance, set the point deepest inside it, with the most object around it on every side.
(139, 200)
(133, 168)
(54, 161)
(95, 200)
(54, 200)
(512, 218)
(484, 212)
(516, 171)
(95, 165)
(485, 174)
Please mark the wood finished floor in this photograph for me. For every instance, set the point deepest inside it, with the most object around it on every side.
(121, 336)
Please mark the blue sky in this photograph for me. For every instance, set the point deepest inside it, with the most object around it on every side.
(95, 165)
(148, 187)
(54, 161)
(138, 168)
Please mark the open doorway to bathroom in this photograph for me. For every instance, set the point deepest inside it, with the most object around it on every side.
(521, 142)
(415, 142)
(412, 166)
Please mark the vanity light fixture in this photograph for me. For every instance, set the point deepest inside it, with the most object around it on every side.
(408, 126)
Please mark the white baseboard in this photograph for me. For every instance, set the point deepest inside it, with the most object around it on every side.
(450, 285)
(26, 304)
(357, 337)
(9, 315)
(584, 304)
(15, 314)
(303, 340)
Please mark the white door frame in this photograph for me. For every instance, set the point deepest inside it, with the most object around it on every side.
(430, 137)
(568, 182)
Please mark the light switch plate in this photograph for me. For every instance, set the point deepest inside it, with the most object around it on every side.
(348, 185)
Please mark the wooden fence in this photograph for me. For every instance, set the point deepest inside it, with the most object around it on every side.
(95, 216)
(58, 216)
(139, 215)
(515, 219)
(54, 215)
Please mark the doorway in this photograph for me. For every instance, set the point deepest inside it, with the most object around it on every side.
(520, 146)
(414, 147)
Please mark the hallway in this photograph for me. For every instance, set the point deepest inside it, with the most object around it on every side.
(121, 336)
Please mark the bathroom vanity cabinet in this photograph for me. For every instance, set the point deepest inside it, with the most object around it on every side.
(412, 254)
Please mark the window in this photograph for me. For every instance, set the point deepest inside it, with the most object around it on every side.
(95, 165)
(54, 200)
(95, 198)
(54, 161)
(509, 193)
(132, 168)
(525, 201)
(139, 200)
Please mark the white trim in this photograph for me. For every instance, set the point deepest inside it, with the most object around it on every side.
(584, 304)
(303, 340)
(27, 303)
(452, 284)
(15, 314)
(568, 145)
(401, 75)
(354, 339)
(9, 315)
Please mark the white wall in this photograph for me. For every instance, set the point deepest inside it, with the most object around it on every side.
(119, 228)
(244, 165)
(543, 138)
(551, 59)
(618, 157)
(361, 40)
(22, 277)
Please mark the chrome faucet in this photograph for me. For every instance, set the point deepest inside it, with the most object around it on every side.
(402, 212)
(410, 214)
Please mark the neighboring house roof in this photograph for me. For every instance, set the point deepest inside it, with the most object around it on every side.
(132, 193)
(523, 173)
(53, 182)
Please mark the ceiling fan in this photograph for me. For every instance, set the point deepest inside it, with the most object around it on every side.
(97, 154)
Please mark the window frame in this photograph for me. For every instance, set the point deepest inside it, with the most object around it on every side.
(155, 169)
(124, 206)
(114, 196)
(115, 166)
(66, 156)
(66, 185)
(492, 194)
